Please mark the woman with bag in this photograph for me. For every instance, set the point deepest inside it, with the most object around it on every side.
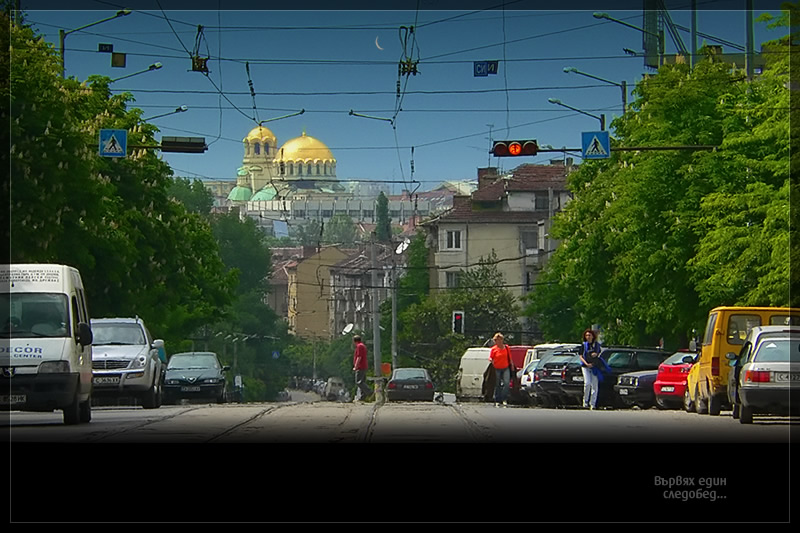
(591, 367)
(500, 356)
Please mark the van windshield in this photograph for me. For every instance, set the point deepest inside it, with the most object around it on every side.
(25, 315)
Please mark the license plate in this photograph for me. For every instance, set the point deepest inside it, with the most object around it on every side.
(106, 380)
(411, 386)
(190, 389)
(667, 389)
(578, 378)
(787, 376)
(623, 392)
(12, 399)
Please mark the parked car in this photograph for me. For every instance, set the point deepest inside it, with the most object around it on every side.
(636, 388)
(541, 350)
(548, 377)
(621, 360)
(192, 375)
(526, 383)
(334, 388)
(410, 384)
(670, 383)
(726, 330)
(767, 373)
(126, 361)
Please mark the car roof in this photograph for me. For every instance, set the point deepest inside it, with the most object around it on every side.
(760, 330)
(194, 353)
(119, 320)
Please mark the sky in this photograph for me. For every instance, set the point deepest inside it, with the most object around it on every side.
(329, 63)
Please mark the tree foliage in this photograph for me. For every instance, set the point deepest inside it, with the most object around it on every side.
(383, 231)
(341, 230)
(195, 196)
(139, 252)
(653, 240)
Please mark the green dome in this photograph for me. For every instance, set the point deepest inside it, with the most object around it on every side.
(267, 193)
(240, 194)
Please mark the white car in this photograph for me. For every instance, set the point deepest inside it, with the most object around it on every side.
(126, 361)
(526, 382)
(768, 373)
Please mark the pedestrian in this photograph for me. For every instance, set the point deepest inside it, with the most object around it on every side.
(500, 356)
(592, 366)
(360, 366)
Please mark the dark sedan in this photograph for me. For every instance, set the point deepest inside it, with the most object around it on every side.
(410, 384)
(193, 375)
(621, 360)
(636, 388)
(548, 378)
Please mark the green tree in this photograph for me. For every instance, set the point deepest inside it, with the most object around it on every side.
(139, 252)
(383, 231)
(652, 240)
(339, 230)
(307, 234)
(193, 195)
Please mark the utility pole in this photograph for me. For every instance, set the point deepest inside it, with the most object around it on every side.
(749, 38)
(394, 314)
(376, 321)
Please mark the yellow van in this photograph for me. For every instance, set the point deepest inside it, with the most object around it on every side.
(726, 329)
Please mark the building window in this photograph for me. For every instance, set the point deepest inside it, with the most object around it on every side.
(299, 214)
(327, 213)
(368, 213)
(317, 169)
(542, 201)
(308, 169)
(257, 148)
(354, 213)
(291, 169)
(394, 214)
(299, 169)
(327, 169)
(453, 240)
(266, 149)
(530, 239)
(452, 279)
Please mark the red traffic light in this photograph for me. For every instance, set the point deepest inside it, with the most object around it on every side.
(514, 148)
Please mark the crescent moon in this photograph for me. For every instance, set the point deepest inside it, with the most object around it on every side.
(376, 44)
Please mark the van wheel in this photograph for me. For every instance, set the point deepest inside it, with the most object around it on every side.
(85, 414)
(700, 405)
(72, 413)
(688, 404)
(745, 414)
(714, 405)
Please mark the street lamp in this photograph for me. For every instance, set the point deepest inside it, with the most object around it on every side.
(180, 109)
(601, 118)
(659, 35)
(62, 35)
(623, 85)
(154, 66)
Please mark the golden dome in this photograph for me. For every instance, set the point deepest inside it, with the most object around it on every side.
(260, 133)
(304, 148)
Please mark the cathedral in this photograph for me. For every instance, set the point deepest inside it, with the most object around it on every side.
(302, 167)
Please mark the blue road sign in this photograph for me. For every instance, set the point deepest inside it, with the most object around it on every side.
(595, 145)
(103, 47)
(276, 354)
(492, 66)
(481, 68)
(113, 143)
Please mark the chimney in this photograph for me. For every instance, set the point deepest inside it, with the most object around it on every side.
(486, 176)
(462, 202)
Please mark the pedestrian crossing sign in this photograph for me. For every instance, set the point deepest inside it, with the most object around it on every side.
(595, 145)
(113, 143)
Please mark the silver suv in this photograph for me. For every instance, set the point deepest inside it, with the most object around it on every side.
(126, 361)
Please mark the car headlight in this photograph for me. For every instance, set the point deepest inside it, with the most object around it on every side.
(634, 381)
(139, 362)
(172, 382)
(54, 367)
(135, 375)
(211, 380)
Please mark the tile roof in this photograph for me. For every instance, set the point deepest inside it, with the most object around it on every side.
(524, 178)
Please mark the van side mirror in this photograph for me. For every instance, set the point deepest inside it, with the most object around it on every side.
(85, 336)
(730, 356)
(226, 368)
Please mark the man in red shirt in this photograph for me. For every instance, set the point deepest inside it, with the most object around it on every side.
(360, 366)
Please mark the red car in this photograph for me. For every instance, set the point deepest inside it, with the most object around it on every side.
(671, 380)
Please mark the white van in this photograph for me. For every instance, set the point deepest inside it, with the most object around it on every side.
(46, 353)
(469, 383)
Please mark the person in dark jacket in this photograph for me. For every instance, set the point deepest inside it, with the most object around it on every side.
(592, 367)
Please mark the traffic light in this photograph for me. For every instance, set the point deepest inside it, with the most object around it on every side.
(187, 145)
(458, 322)
(514, 148)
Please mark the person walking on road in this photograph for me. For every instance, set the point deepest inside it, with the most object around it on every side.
(500, 356)
(360, 366)
(591, 367)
